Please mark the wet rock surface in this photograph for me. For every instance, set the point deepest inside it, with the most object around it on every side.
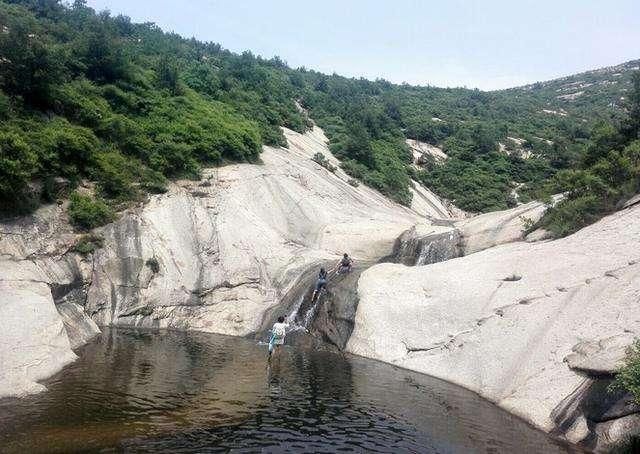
(426, 244)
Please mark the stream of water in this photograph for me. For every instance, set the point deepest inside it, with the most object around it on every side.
(141, 391)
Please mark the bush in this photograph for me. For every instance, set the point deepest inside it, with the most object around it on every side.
(81, 102)
(115, 174)
(571, 215)
(320, 159)
(88, 213)
(17, 165)
(153, 182)
(153, 264)
(64, 149)
(628, 379)
(87, 244)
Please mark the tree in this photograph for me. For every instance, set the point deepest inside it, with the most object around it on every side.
(29, 63)
(632, 125)
(102, 53)
(17, 165)
(168, 75)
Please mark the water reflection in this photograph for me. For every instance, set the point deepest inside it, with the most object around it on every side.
(191, 392)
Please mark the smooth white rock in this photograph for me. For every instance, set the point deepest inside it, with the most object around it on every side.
(79, 327)
(33, 341)
(461, 320)
(498, 227)
(230, 246)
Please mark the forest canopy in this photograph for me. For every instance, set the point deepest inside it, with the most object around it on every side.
(89, 96)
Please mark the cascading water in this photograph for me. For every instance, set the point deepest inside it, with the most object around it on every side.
(423, 248)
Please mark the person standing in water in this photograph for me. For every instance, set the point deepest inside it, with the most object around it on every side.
(321, 283)
(278, 333)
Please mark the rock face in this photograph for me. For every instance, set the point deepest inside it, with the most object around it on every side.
(37, 269)
(33, 341)
(502, 321)
(80, 329)
(422, 151)
(426, 244)
(498, 227)
(228, 248)
(429, 205)
(218, 255)
(535, 326)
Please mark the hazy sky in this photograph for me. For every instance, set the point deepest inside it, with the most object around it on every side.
(475, 43)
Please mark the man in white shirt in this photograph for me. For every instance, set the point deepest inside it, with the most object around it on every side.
(278, 333)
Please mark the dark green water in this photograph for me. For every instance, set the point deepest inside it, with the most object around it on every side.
(143, 391)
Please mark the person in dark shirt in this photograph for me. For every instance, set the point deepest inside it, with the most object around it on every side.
(345, 264)
(321, 283)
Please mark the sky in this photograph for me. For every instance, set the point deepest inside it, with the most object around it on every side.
(486, 44)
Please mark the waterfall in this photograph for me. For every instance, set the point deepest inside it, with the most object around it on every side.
(417, 248)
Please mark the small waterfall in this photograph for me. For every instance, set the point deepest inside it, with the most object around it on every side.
(302, 314)
(311, 307)
(293, 319)
(311, 313)
(423, 248)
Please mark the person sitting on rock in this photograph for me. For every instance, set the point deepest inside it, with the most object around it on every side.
(321, 283)
(278, 333)
(345, 264)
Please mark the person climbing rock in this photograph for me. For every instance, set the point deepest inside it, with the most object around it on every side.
(321, 283)
(278, 333)
(345, 264)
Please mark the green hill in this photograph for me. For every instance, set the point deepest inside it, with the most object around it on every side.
(87, 96)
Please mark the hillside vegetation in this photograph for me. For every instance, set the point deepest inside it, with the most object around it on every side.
(87, 96)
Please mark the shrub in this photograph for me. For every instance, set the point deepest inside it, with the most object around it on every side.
(87, 244)
(628, 376)
(153, 181)
(114, 175)
(570, 215)
(17, 165)
(88, 213)
(81, 102)
(64, 149)
(320, 159)
(153, 264)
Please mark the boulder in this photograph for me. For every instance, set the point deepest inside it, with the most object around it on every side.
(424, 244)
(600, 357)
(617, 432)
(33, 341)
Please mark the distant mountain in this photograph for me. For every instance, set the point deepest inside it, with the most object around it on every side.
(598, 91)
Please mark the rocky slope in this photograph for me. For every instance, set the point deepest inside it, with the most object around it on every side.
(230, 252)
(217, 255)
(530, 326)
